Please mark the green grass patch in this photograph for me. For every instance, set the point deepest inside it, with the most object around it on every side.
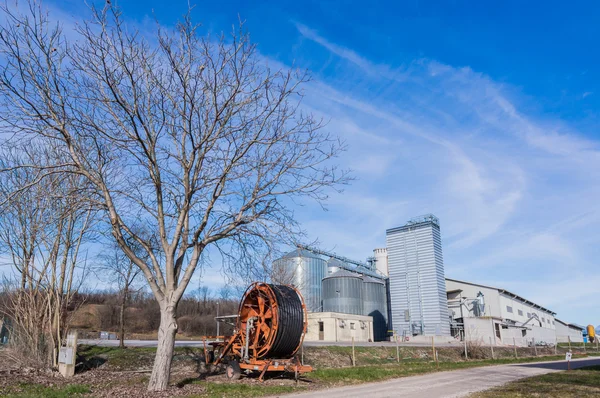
(583, 382)
(39, 391)
(233, 390)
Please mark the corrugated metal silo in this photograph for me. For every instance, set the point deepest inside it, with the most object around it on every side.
(342, 292)
(416, 277)
(334, 265)
(374, 301)
(305, 271)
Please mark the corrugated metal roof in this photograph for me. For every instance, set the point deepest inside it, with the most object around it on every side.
(343, 274)
(507, 293)
(571, 325)
(301, 253)
(368, 279)
(334, 262)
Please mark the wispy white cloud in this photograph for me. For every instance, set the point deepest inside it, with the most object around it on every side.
(516, 192)
(347, 54)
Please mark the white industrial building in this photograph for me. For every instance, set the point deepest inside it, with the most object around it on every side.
(568, 331)
(335, 326)
(493, 315)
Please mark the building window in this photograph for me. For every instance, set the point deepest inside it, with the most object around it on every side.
(497, 327)
(528, 315)
(543, 320)
(352, 326)
(321, 327)
(520, 313)
(509, 309)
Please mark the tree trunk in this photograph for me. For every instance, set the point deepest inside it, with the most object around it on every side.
(122, 320)
(161, 371)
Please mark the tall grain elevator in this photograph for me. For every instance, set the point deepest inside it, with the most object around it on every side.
(416, 278)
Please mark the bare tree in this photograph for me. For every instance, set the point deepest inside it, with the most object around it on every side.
(192, 137)
(117, 268)
(42, 229)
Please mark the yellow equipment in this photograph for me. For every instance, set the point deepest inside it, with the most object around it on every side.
(591, 333)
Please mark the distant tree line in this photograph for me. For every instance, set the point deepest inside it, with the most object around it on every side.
(100, 311)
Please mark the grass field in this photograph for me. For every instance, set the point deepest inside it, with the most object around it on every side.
(584, 382)
(104, 371)
(39, 391)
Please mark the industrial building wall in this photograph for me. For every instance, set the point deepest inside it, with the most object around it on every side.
(564, 332)
(333, 327)
(505, 312)
(485, 330)
(520, 312)
(480, 330)
(417, 283)
(491, 296)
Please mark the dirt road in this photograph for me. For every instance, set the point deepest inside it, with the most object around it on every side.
(456, 383)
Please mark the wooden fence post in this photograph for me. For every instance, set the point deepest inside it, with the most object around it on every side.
(353, 357)
(515, 347)
(465, 341)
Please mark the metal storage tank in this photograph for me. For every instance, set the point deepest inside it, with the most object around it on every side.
(417, 284)
(305, 271)
(334, 265)
(342, 292)
(374, 300)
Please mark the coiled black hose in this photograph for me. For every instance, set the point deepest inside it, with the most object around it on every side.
(290, 321)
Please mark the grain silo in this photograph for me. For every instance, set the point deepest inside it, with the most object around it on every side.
(381, 261)
(374, 301)
(334, 265)
(342, 292)
(418, 299)
(305, 271)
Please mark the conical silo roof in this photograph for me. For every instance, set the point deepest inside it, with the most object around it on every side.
(343, 274)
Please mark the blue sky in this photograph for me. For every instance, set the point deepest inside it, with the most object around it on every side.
(485, 115)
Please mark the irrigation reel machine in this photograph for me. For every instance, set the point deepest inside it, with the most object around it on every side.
(269, 330)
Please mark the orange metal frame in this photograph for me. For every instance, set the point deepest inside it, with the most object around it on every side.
(259, 307)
